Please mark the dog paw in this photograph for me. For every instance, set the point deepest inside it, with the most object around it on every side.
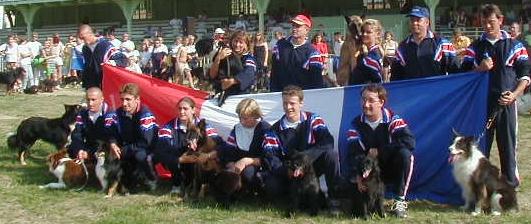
(42, 186)
(474, 213)
(496, 213)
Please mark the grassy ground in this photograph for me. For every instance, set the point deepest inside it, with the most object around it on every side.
(21, 201)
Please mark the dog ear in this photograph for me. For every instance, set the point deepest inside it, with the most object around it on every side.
(454, 132)
(348, 19)
(202, 125)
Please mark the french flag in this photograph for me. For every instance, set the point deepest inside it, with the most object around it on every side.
(431, 107)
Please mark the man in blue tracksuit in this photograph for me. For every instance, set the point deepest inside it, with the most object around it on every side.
(423, 54)
(89, 127)
(381, 134)
(295, 60)
(305, 132)
(506, 61)
(132, 130)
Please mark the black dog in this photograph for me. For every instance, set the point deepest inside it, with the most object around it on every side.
(31, 90)
(47, 85)
(304, 187)
(55, 131)
(370, 199)
(12, 79)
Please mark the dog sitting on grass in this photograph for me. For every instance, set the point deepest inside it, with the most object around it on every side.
(303, 184)
(369, 199)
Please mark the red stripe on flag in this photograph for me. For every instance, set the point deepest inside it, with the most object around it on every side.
(160, 96)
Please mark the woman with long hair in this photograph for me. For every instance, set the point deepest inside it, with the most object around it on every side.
(390, 46)
(369, 63)
(261, 52)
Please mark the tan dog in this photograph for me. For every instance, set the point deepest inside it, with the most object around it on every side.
(69, 172)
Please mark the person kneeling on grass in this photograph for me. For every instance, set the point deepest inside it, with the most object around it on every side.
(381, 134)
(172, 141)
(132, 130)
(244, 153)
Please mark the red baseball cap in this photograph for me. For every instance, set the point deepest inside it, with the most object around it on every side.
(302, 19)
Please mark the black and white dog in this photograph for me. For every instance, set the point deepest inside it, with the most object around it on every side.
(12, 79)
(55, 131)
(484, 188)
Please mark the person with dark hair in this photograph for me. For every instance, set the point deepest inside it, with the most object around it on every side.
(95, 52)
(506, 62)
(234, 67)
(423, 53)
(132, 130)
(172, 142)
(295, 61)
(306, 132)
(383, 135)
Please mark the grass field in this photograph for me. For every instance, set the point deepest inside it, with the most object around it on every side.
(21, 201)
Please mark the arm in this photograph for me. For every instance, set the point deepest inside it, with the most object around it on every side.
(321, 137)
(356, 149)
(77, 137)
(272, 152)
(401, 135)
(398, 66)
(266, 56)
(247, 77)
(148, 131)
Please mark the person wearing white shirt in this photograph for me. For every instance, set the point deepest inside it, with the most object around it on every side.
(35, 46)
(25, 62)
(127, 45)
(11, 52)
(115, 42)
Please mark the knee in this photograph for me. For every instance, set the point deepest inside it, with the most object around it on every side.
(141, 156)
(405, 156)
(248, 173)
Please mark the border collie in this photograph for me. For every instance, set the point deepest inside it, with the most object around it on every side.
(69, 172)
(484, 189)
(12, 79)
(55, 131)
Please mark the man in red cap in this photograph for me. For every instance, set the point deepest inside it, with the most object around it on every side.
(295, 61)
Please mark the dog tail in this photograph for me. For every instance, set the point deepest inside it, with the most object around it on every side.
(12, 140)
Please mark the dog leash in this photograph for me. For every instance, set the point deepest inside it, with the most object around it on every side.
(82, 162)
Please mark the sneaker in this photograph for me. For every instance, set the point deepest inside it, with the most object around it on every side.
(400, 208)
(175, 190)
(152, 184)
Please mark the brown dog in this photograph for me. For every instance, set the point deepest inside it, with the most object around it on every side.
(69, 172)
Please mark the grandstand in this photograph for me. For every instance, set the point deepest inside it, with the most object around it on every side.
(134, 16)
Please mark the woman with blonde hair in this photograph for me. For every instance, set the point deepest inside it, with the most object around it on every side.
(243, 153)
(369, 67)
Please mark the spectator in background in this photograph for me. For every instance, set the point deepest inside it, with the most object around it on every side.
(145, 56)
(158, 56)
(338, 43)
(241, 23)
(319, 43)
(57, 54)
(149, 32)
(182, 68)
(177, 44)
(261, 53)
(115, 42)
(25, 62)
(175, 25)
(389, 46)
(461, 19)
(78, 62)
(295, 61)
(35, 47)
(68, 52)
(278, 35)
(50, 66)
(516, 33)
(11, 53)
(127, 46)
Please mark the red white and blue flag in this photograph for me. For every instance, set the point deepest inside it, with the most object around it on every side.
(431, 107)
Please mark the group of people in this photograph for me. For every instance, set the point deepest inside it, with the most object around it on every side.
(51, 60)
(256, 150)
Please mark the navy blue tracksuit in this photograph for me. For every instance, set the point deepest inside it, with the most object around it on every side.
(300, 66)
(87, 133)
(394, 142)
(312, 137)
(432, 57)
(134, 134)
(511, 65)
(102, 53)
(172, 144)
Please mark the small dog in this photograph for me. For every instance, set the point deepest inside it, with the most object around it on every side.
(114, 175)
(69, 172)
(370, 200)
(484, 189)
(31, 90)
(100, 170)
(304, 187)
(55, 131)
(202, 168)
(12, 79)
(48, 85)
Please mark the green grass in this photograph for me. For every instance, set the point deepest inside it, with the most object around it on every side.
(21, 201)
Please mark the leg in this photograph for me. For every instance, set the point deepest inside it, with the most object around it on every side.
(506, 134)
